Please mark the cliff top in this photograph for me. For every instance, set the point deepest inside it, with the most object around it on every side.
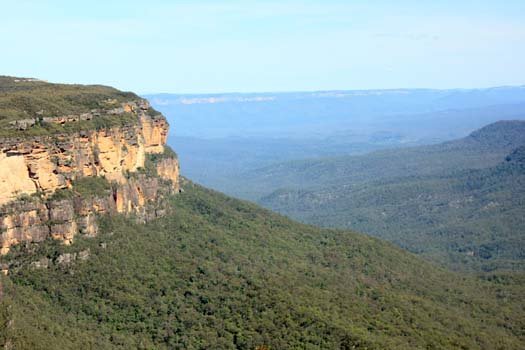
(30, 106)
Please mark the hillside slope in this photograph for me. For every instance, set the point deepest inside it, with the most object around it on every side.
(225, 274)
(468, 219)
(222, 135)
(481, 149)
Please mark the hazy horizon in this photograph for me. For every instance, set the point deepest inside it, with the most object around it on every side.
(211, 93)
(214, 93)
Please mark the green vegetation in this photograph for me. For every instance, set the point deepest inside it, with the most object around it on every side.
(219, 273)
(21, 98)
(29, 99)
(85, 187)
(460, 203)
(472, 219)
(482, 149)
(168, 153)
(92, 186)
(50, 129)
(150, 164)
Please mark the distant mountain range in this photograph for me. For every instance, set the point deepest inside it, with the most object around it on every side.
(218, 136)
(322, 113)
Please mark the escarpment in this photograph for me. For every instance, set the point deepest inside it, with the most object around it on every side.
(58, 172)
(47, 163)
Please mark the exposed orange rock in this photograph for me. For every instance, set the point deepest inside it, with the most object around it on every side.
(22, 222)
(49, 163)
(155, 133)
(168, 169)
(14, 177)
(46, 164)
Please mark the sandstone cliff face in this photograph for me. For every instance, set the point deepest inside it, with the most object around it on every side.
(34, 219)
(44, 164)
(168, 169)
(40, 166)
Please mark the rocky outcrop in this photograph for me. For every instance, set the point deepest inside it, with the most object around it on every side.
(45, 164)
(35, 219)
(168, 169)
(33, 169)
(23, 221)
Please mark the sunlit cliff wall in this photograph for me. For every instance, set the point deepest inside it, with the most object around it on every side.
(32, 169)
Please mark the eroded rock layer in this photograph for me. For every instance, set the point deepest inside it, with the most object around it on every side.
(33, 169)
(44, 164)
(35, 219)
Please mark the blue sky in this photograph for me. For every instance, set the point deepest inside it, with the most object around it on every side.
(243, 46)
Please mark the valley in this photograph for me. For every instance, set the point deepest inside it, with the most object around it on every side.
(110, 248)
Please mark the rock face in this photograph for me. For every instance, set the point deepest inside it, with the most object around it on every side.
(44, 164)
(37, 167)
(168, 169)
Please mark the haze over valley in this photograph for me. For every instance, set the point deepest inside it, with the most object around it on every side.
(219, 136)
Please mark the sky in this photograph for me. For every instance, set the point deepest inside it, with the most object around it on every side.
(254, 46)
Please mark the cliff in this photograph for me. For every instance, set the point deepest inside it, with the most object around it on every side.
(47, 161)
